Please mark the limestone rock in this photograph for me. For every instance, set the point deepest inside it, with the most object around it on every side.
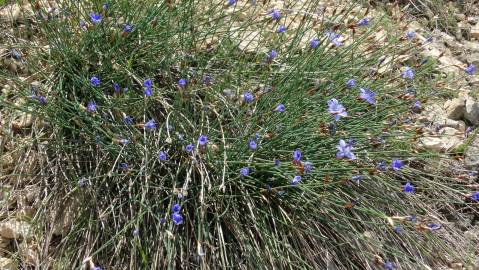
(471, 113)
(455, 108)
(440, 144)
(12, 229)
(471, 156)
(475, 31)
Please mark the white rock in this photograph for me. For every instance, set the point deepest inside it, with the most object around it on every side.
(449, 131)
(471, 156)
(12, 229)
(475, 31)
(440, 144)
(455, 108)
(471, 113)
(8, 264)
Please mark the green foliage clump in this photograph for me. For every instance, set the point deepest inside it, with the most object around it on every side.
(343, 212)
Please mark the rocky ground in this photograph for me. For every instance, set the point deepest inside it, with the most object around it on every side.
(448, 122)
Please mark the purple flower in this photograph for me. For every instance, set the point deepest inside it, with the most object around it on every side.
(95, 18)
(363, 22)
(272, 55)
(295, 180)
(356, 179)
(275, 14)
(280, 108)
(471, 69)
(344, 150)
(408, 73)
(97, 268)
(333, 37)
(351, 84)
(475, 196)
(127, 28)
(252, 145)
(125, 90)
(162, 220)
(408, 188)
(397, 229)
(281, 29)
(106, 6)
(297, 155)
(410, 35)
(91, 106)
(176, 208)
(189, 148)
(128, 120)
(397, 164)
(417, 106)
(123, 165)
(308, 167)
(336, 109)
(433, 226)
(95, 81)
(367, 95)
(382, 166)
(162, 156)
(314, 43)
(177, 218)
(248, 97)
(202, 140)
(136, 232)
(244, 171)
(413, 219)
(182, 83)
(42, 99)
(231, 2)
(150, 124)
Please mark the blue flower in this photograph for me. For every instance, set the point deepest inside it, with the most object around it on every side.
(382, 166)
(417, 106)
(413, 218)
(231, 2)
(433, 226)
(162, 156)
(148, 92)
(207, 79)
(367, 95)
(275, 14)
(244, 171)
(295, 180)
(95, 81)
(177, 218)
(176, 208)
(97, 268)
(41, 99)
(333, 37)
(189, 148)
(281, 29)
(408, 73)
(272, 55)
(344, 150)
(150, 124)
(410, 35)
(252, 145)
(389, 266)
(127, 28)
(128, 120)
(314, 43)
(471, 69)
(297, 155)
(123, 165)
(162, 220)
(277, 162)
(116, 87)
(308, 167)
(91, 106)
(336, 109)
(202, 140)
(182, 83)
(124, 141)
(351, 83)
(356, 179)
(148, 83)
(397, 229)
(363, 22)
(136, 232)
(248, 97)
(106, 6)
(475, 196)
(280, 108)
(397, 164)
(95, 18)
(408, 188)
